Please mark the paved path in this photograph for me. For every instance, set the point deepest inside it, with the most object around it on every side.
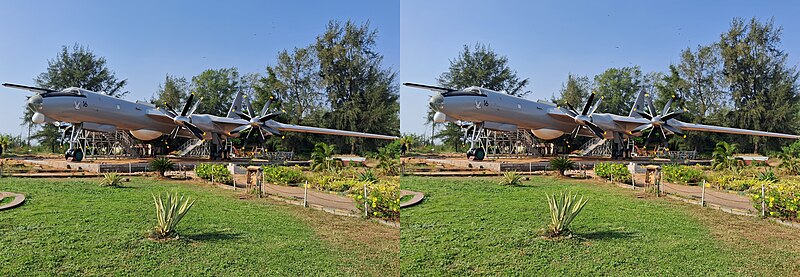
(418, 196)
(315, 197)
(712, 196)
(18, 199)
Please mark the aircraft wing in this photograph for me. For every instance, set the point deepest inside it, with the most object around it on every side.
(727, 130)
(306, 129)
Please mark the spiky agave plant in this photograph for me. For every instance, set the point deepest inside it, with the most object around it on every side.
(169, 212)
(511, 178)
(111, 179)
(563, 209)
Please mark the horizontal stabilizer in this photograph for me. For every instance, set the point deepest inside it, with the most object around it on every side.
(29, 88)
(429, 87)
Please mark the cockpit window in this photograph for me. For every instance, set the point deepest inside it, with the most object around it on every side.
(475, 90)
(72, 91)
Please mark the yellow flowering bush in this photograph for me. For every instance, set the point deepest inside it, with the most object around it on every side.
(617, 170)
(782, 199)
(383, 199)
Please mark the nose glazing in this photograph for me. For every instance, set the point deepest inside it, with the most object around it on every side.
(436, 102)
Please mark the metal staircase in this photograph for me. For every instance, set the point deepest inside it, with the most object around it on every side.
(193, 148)
(596, 147)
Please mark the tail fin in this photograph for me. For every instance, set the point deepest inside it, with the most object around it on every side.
(236, 106)
(638, 105)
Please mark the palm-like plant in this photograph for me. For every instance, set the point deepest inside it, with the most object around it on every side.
(406, 142)
(169, 212)
(162, 165)
(3, 143)
(563, 210)
(789, 164)
(562, 164)
(722, 157)
(322, 157)
(388, 161)
(111, 179)
(511, 178)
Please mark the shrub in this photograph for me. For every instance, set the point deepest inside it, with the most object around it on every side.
(389, 160)
(722, 157)
(322, 157)
(767, 176)
(169, 213)
(563, 209)
(790, 165)
(215, 172)
(562, 164)
(383, 199)
(511, 178)
(161, 165)
(368, 176)
(283, 175)
(782, 199)
(618, 171)
(111, 179)
(683, 174)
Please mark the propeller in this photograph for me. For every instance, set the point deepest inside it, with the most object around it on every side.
(257, 121)
(183, 119)
(584, 118)
(658, 120)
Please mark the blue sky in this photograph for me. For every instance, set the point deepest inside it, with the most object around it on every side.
(144, 40)
(544, 41)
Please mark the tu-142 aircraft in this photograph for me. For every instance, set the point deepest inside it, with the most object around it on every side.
(88, 110)
(499, 111)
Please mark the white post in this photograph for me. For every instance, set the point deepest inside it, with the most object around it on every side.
(305, 195)
(129, 168)
(633, 181)
(763, 204)
(366, 214)
(530, 167)
(703, 194)
(233, 177)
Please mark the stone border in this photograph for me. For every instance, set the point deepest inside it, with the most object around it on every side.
(18, 200)
(418, 196)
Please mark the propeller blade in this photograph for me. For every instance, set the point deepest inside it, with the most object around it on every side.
(171, 110)
(575, 132)
(572, 109)
(196, 104)
(596, 130)
(196, 131)
(596, 105)
(174, 133)
(266, 107)
(243, 116)
(645, 115)
(673, 129)
(187, 105)
(240, 128)
(269, 116)
(651, 106)
(588, 104)
(666, 107)
(250, 110)
(647, 140)
(261, 138)
(663, 134)
(672, 115)
(642, 128)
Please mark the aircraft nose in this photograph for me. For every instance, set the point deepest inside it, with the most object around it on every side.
(436, 102)
(35, 102)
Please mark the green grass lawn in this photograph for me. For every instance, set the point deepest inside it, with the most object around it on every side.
(75, 227)
(472, 226)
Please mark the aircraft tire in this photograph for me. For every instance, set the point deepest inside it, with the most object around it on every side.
(479, 154)
(77, 156)
(68, 154)
(470, 153)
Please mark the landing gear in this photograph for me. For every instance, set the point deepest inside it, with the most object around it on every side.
(75, 155)
(476, 154)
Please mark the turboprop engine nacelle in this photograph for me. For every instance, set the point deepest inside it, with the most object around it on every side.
(146, 135)
(547, 134)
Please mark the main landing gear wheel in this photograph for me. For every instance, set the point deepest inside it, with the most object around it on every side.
(476, 154)
(75, 155)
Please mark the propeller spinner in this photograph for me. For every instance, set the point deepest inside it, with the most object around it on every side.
(183, 119)
(257, 121)
(584, 118)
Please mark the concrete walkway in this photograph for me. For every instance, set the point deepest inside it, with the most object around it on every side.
(315, 197)
(712, 196)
